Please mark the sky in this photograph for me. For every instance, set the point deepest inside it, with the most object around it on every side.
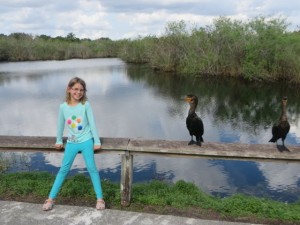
(119, 19)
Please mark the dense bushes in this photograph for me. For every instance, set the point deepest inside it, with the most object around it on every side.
(259, 49)
(23, 47)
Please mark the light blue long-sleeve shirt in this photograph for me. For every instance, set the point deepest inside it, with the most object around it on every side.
(80, 123)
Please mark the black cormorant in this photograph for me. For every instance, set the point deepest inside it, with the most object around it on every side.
(281, 129)
(193, 122)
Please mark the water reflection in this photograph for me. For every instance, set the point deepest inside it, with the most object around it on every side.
(244, 111)
(133, 101)
(278, 181)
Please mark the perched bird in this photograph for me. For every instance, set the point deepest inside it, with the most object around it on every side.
(193, 122)
(281, 129)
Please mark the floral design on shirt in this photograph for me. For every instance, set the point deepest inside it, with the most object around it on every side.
(75, 123)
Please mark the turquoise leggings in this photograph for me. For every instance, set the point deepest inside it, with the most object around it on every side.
(87, 150)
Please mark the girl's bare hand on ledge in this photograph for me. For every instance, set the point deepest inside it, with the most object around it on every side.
(59, 146)
(97, 147)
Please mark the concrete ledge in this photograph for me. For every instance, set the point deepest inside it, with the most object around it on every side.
(178, 148)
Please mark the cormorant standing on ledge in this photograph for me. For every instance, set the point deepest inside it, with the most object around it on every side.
(281, 129)
(193, 122)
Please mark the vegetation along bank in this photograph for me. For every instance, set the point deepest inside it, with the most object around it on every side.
(260, 49)
(181, 198)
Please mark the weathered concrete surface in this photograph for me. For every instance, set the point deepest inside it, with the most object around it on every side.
(18, 213)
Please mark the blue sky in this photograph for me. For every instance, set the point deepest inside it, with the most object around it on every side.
(118, 19)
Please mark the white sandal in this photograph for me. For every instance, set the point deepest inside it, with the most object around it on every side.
(48, 205)
(100, 204)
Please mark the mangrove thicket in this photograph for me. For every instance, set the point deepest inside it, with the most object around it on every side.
(256, 50)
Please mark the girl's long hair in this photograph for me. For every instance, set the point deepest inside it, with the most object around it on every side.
(71, 83)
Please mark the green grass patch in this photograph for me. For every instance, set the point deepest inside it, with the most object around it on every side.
(179, 196)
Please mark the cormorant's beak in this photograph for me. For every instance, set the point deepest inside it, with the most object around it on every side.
(187, 99)
(284, 100)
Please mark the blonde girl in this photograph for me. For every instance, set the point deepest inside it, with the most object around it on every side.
(76, 113)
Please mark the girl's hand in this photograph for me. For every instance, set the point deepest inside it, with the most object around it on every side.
(97, 147)
(59, 146)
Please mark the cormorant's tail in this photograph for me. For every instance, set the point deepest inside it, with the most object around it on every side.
(273, 139)
(199, 139)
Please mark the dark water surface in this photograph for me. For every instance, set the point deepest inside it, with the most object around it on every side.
(134, 102)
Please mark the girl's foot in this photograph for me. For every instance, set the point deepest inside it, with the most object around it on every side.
(48, 205)
(100, 204)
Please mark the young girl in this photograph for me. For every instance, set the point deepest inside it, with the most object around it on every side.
(76, 113)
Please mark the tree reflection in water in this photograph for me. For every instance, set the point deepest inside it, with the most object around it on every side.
(134, 101)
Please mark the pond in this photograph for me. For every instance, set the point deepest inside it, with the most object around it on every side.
(133, 101)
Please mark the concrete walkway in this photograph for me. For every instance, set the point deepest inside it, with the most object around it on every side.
(20, 213)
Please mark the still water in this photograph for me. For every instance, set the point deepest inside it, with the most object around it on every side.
(134, 102)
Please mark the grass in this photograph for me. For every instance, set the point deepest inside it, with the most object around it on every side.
(181, 198)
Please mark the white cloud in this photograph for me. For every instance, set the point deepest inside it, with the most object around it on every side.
(124, 19)
(280, 176)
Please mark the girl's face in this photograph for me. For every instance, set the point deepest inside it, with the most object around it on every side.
(76, 92)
